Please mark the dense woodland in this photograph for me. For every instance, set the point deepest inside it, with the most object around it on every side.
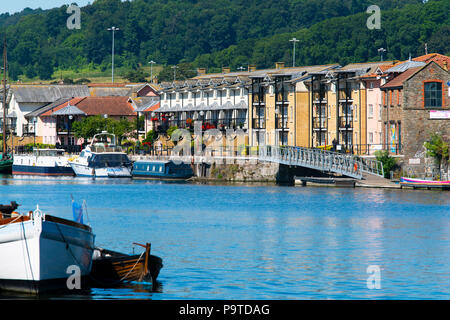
(212, 34)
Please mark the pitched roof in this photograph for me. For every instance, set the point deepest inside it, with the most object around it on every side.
(69, 110)
(141, 104)
(402, 67)
(119, 91)
(152, 108)
(440, 59)
(112, 106)
(46, 108)
(402, 77)
(47, 93)
(55, 107)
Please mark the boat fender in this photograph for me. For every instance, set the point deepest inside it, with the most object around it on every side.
(355, 167)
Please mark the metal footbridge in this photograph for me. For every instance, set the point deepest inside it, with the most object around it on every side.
(347, 165)
(326, 161)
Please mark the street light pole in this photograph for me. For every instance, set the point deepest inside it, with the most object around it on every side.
(381, 50)
(174, 72)
(151, 70)
(294, 40)
(113, 29)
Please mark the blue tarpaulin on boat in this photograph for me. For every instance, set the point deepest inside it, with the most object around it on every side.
(77, 210)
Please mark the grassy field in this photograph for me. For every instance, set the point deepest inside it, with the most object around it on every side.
(95, 75)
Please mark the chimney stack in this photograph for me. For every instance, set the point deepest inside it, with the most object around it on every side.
(201, 71)
(279, 65)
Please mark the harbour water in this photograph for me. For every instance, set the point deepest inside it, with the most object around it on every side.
(259, 241)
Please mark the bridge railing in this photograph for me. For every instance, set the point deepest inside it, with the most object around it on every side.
(372, 166)
(345, 164)
(322, 160)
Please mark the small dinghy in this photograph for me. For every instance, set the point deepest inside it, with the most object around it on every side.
(418, 183)
(111, 267)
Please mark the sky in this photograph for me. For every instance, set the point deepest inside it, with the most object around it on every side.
(18, 5)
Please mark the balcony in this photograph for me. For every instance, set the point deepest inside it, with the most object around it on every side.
(282, 98)
(281, 122)
(345, 95)
(319, 97)
(258, 100)
(258, 123)
(346, 123)
(28, 129)
(320, 123)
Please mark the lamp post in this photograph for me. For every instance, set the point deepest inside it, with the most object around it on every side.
(381, 50)
(174, 72)
(113, 29)
(151, 70)
(69, 141)
(294, 40)
(34, 131)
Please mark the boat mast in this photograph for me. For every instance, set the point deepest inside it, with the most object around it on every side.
(4, 99)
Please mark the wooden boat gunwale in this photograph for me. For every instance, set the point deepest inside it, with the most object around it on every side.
(115, 267)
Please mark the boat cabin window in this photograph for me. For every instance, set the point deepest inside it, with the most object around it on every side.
(48, 152)
(108, 160)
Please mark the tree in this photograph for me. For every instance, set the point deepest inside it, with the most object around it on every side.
(183, 71)
(87, 127)
(438, 149)
(137, 75)
(389, 163)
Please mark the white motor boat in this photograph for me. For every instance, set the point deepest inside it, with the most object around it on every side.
(40, 252)
(102, 159)
(43, 162)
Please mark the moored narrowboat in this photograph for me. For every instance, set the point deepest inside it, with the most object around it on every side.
(164, 170)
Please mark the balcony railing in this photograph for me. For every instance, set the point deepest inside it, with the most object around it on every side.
(346, 122)
(28, 129)
(320, 123)
(282, 97)
(256, 99)
(281, 122)
(258, 123)
(345, 95)
(319, 97)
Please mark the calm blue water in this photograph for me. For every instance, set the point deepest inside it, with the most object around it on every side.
(261, 241)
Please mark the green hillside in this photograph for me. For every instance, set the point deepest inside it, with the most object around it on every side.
(345, 40)
(209, 33)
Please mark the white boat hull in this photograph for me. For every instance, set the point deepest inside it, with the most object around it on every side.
(38, 255)
(109, 172)
(42, 165)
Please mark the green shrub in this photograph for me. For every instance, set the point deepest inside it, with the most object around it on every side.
(389, 163)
